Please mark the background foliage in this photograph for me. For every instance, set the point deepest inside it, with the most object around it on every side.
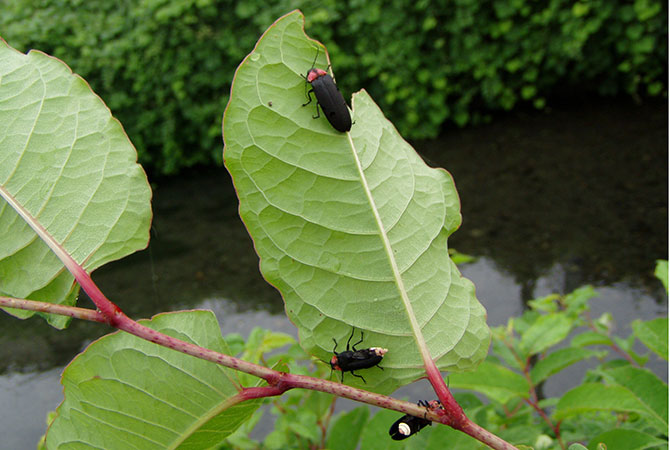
(618, 401)
(165, 67)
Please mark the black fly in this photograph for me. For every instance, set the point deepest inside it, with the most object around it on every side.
(350, 360)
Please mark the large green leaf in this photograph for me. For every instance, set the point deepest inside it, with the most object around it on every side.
(125, 392)
(648, 388)
(546, 331)
(661, 272)
(597, 397)
(69, 164)
(346, 430)
(623, 439)
(352, 227)
(556, 361)
(654, 334)
(493, 380)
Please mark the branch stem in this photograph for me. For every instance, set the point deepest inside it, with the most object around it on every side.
(51, 308)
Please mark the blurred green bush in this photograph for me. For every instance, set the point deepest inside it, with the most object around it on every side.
(164, 67)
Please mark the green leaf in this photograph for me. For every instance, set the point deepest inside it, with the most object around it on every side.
(546, 331)
(590, 338)
(647, 388)
(306, 427)
(559, 360)
(577, 447)
(347, 428)
(66, 161)
(577, 300)
(276, 439)
(622, 439)
(598, 397)
(263, 341)
(352, 227)
(661, 272)
(627, 346)
(653, 334)
(505, 345)
(375, 435)
(461, 258)
(240, 439)
(547, 304)
(125, 392)
(493, 380)
(444, 437)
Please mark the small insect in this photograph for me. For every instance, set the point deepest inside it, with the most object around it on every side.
(350, 360)
(408, 425)
(329, 97)
(270, 104)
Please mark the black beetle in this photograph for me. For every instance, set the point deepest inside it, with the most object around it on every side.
(351, 360)
(408, 425)
(329, 97)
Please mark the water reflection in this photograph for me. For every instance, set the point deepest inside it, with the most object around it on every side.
(584, 187)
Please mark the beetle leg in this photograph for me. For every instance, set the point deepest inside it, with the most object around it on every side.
(318, 114)
(352, 372)
(309, 97)
(354, 346)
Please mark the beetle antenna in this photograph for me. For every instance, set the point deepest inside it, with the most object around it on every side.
(317, 55)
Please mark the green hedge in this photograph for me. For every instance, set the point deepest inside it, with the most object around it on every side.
(164, 67)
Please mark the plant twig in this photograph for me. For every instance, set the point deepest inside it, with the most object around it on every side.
(51, 308)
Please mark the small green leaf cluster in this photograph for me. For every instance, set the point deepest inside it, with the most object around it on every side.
(301, 416)
(619, 404)
(165, 67)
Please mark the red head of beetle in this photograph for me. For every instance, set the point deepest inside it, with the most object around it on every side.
(313, 74)
(334, 363)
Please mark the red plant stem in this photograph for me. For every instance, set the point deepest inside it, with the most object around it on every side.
(454, 416)
(486, 437)
(279, 382)
(260, 392)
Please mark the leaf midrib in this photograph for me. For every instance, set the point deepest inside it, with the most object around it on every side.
(397, 276)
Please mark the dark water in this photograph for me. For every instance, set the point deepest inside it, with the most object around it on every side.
(550, 201)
